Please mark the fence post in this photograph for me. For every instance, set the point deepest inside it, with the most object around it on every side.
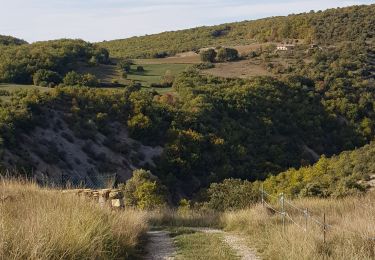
(324, 228)
(283, 210)
(306, 218)
(262, 195)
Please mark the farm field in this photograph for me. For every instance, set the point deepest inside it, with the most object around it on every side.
(153, 72)
(238, 69)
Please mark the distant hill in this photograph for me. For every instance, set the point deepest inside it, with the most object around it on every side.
(9, 40)
(327, 27)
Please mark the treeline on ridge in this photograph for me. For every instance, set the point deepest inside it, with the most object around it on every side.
(327, 27)
(9, 40)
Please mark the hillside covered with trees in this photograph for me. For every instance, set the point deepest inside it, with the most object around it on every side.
(327, 27)
(319, 101)
(46, 61)
(9, 40)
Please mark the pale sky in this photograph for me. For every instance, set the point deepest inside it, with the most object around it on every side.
(97, 20)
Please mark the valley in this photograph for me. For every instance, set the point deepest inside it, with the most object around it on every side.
(245, 140)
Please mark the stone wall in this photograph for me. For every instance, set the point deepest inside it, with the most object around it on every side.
(113, 198)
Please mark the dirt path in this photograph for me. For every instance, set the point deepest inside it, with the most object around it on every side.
(237, 244)
(160, 246)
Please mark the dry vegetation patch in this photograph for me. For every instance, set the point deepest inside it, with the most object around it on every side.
(239, 69)
(350, 229)
(47, 224)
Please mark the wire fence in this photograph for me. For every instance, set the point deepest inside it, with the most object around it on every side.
(93, 180)
(307, 216)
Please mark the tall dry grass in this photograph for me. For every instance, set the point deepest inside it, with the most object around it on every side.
(40, 223)
(352, 220)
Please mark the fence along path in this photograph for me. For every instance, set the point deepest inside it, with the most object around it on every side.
(305, 213)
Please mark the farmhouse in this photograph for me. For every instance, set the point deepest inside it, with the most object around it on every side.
(285, 47)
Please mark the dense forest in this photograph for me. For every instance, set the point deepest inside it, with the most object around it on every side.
(218, 128)
(327, 27)
(48, 61)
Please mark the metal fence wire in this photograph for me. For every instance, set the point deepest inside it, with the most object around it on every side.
(307, 215)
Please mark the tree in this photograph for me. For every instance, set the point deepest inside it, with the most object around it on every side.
(125, 65)
(208, 55)
(102, 56)
(149, 195)
(227, 54)
(93, 61)
(232, 194)
(89, 80)
(144, 191)
(72, 79)
(168, 78)
(46, 78)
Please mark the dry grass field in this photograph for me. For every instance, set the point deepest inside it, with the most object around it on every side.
(38, 223)
(238, 69)
(350, 229)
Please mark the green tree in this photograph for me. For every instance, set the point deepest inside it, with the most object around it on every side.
(144, 191)
(89, 80)
(227, 54)
(232, 194)
(46, 78)
(72, 79)
(125, 65)
(208, 55)
(149, 195)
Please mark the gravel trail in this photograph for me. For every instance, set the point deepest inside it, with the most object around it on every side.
(160, 246)
(235, 242)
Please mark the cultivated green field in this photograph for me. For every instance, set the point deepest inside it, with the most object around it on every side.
(153, 73)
